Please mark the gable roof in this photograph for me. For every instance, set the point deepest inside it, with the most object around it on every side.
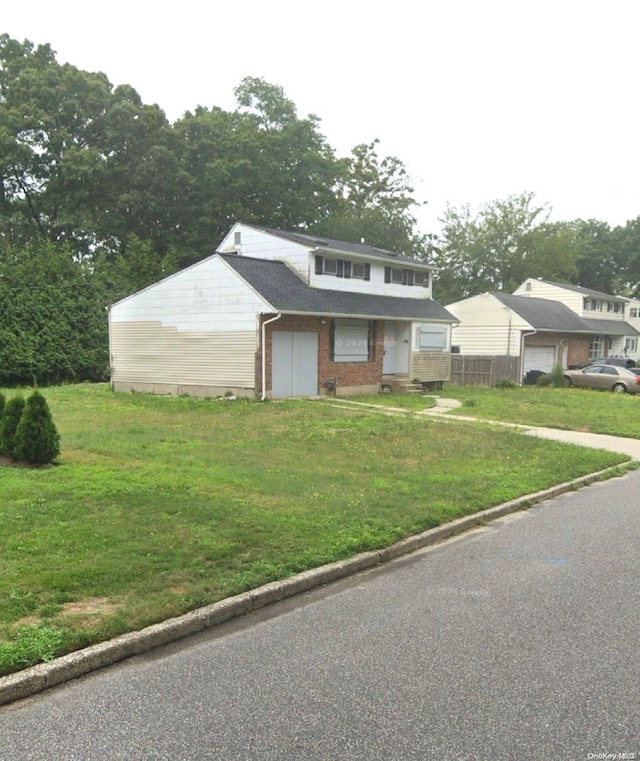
(589, 292)
(341, 246)
(548, 315)
(288, 293)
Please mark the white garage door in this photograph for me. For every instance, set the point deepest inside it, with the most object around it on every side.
(294, 364)
(539, 358)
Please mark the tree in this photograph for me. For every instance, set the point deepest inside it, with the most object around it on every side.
(260, 163)
(623, 249)
(50, 134)
(36, 438)
(9, 425)
(485, 252)
(596, 263)
(374, 201)
(81, 162)
(53, 324)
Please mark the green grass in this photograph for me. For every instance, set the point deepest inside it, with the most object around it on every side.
(159, 505)
(568, 408)
(573, 409)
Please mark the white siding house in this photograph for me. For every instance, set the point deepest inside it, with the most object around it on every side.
(194, 330)
(632, 316)
(543, 324)
(282, 314)
(604, 313)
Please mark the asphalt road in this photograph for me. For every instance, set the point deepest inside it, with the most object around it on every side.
(520, 640)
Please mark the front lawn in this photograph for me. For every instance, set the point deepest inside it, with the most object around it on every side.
(573, 409)
(160, 505)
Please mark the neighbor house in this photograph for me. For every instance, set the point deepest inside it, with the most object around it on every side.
(279, 314)
(541, 324)
(632, 316)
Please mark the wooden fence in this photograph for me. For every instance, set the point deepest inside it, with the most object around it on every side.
(483, 371)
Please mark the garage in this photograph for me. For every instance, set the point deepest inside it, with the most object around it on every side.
(295, 364)
(540, 358)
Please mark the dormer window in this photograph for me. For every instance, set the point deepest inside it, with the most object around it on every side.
(327, 265)
(406, 277)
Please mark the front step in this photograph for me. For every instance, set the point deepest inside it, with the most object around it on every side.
(401, 386)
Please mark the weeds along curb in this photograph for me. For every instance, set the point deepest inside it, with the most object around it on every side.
(38, 678)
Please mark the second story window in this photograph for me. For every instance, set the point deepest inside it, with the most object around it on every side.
(421, 278)
(359, 271)
(406, 277)
(327, 265)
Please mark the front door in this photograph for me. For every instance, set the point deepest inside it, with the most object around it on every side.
(396, 348)
(294, 364)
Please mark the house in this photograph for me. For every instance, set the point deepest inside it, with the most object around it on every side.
(541, 324)
(632, 316)
(278, 314)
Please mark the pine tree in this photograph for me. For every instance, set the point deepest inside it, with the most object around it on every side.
(9, 425)
(36, 439)
(3, 402)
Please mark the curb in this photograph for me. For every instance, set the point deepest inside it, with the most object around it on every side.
(45, 675)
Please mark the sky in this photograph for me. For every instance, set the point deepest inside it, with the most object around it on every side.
(480, 99)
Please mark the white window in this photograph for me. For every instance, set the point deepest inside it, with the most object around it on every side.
(325, 265)
(634, 312)
(358, 270)
(630, 344)
(432, 337)
(596, 347)
(329, 266)
(350, 340)
(405, 277)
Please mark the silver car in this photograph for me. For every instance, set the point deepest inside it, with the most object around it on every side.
(605, 378)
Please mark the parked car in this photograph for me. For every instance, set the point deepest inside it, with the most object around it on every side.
(605, 378)
(617, 361)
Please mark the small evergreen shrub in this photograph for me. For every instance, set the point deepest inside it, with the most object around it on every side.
(544, 380)
(557, 375)
(36, 438)
(9, 425)
(506, 383)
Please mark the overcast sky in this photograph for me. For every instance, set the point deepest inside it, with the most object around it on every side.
(480, 99)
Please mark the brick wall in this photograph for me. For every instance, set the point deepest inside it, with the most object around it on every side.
(577, 345)
(348, 375)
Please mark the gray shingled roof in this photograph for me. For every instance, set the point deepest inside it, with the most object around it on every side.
(621, 328)
(286, 292)
(545, 314)
(586, 291)
(363, 249)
